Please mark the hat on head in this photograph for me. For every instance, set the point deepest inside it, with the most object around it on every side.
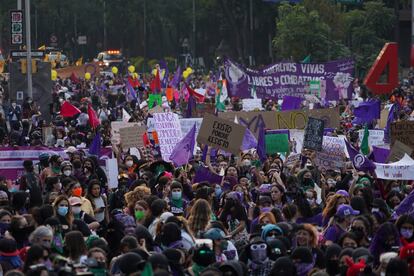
(345, 210)
(343, 192)
(214, 234)
(75, 201)
(71, 149)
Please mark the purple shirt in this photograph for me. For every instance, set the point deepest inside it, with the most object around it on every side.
(333, 233)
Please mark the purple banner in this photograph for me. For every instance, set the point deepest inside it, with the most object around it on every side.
(11, 158)
(330, 81)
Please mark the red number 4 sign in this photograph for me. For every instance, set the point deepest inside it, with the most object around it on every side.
(387, 57)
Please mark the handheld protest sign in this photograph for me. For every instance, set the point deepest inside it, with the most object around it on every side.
(313, 137)
(221, 134)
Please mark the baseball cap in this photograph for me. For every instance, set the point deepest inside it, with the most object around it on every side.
(345, 210)
(214, 234)
(75, 201)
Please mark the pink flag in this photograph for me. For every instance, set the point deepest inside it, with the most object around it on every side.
(68, 110)
(93, 119)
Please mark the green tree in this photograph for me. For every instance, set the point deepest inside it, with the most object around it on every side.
(301, 32)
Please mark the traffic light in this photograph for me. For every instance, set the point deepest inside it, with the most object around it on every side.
(23, 66)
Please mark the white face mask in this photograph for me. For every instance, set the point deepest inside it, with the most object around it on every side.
(67, 173)
(129, 163)
(76, 210)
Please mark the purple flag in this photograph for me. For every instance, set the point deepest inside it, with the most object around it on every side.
(131, 94)
(249, 141)
(291, 103)
(204, 174)
(390, 119)
(366, 112)
(204, 156)
(164, 81)
(184, 149)
(261, 146)
(359, 160)
(95, 147)
(190, 105)
(176, 79)
(406, 206)
(379, 155)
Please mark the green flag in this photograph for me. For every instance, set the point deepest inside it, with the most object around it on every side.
(364, 143)
(219, 104)
(307, 59)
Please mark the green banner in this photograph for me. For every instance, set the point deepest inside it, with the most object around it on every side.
(276, 143)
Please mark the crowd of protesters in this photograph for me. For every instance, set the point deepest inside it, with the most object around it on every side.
(264, 218)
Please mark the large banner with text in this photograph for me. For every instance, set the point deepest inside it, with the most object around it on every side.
(330, 81)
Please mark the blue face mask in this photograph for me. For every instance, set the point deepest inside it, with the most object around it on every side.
(176, 195)
(63, 210)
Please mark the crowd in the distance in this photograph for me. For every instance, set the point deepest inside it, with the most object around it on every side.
(263, 218)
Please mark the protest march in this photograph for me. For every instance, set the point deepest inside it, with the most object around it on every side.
(285, 167)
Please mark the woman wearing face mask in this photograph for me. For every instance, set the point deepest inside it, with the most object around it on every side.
(53, 184)
(394, 199)
(66, 169)
(384, 240)
(361, 228)
(54, 169)
(305, 180)
(5, 219)
(129, 162)
(75, 204)
(332, 254)
(303, 259)
(178, 204)
(20, 231)
(219, 243)
(307, 236)
(339, 224)
(42, 236)
(63, 213)
(75, 189)
(405, 226)
(140, 211)
(88, 172)
(258, 254)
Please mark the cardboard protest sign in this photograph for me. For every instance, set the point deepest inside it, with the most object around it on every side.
(221, 134)
(403, 131)
(132, 136)
(167, 126)
(314, 134)
(115, 127)
(294, 119)
(375, 138)
(332, 154)
(252, 104)
(398, 150)
(276, 143)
